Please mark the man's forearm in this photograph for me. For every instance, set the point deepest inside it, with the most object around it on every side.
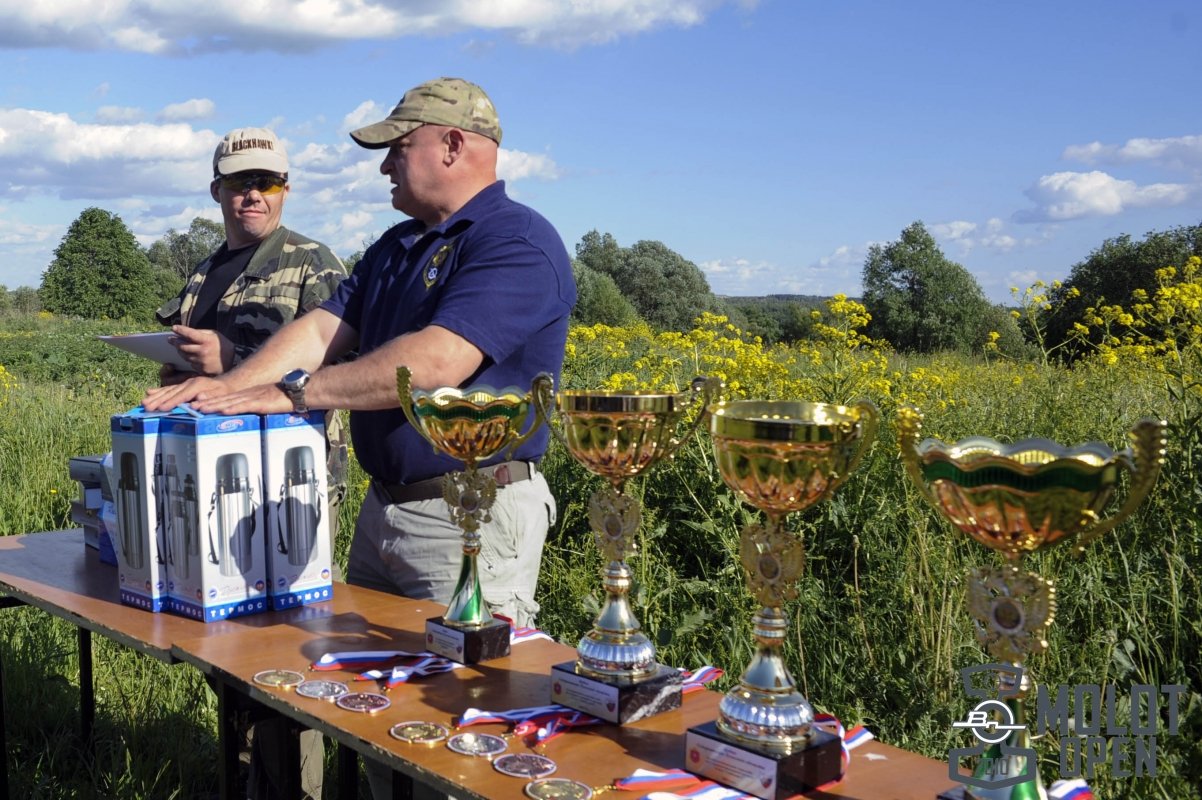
(307, 342)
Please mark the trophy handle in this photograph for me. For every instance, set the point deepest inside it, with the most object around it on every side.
(1142, 460)
(543, 391)
(909, 425)
(708, 389)
(870, 420)
(404, 391)
(534, 417)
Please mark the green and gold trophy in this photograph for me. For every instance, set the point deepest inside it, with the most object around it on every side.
(472, 425)
(780, 457)
(1017, 499)
(618, 435)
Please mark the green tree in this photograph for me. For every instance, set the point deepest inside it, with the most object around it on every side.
(598, 299)
(665, 288)
(99, 271)
(179, 253)
(1111, 274)
(26, 300)
(921, 301)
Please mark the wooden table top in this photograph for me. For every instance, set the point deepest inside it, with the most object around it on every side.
(57, 573)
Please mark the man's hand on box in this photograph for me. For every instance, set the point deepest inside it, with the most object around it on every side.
(268, 398)
(165, 398)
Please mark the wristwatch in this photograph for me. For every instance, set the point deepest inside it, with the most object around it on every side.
(293, 383)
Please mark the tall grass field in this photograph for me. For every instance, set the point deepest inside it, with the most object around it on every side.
(880, 627)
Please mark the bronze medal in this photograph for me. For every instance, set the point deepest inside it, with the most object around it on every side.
(557, 789)
(363, 702)
(525, 765)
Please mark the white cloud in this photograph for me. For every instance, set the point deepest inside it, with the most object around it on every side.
(365, 113)
(118, 114)
(1180, 152)
(165, 26)
(43, 152)
(965, 236)
(196, 108)
(1072, 195)
(514, 165)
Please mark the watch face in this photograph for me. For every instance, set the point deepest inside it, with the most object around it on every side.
(295, 379)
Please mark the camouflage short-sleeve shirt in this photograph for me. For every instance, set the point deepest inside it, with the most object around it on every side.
(288, 275)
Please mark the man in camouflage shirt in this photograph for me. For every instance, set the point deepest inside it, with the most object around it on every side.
(261, 278)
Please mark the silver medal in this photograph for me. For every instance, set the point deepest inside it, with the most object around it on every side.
(525, 765)
(477, 744)
(322, 689)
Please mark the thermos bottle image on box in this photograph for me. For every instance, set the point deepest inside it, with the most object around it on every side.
(133, 526)
(300, 502)
(233, 501)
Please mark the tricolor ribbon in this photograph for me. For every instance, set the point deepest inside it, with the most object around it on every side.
(695, 680)
(540, 723)
(1075, 789)
(430, 665)
(644, 780)
(355, 660)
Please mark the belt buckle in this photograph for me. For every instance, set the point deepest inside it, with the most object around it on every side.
(501, 475)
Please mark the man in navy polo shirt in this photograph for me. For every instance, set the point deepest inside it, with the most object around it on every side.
(474, 288)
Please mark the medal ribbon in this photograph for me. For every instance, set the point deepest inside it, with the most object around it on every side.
(525, 634)
(354, 660)
(695, 680)
(540, 723)
(430, 665)
(1075, 789)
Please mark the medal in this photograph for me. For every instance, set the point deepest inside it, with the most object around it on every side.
(363, 702)
(279, 678)
(418, 732)
(477, 744)
(557, 789)
(524, 765)
(322, 690)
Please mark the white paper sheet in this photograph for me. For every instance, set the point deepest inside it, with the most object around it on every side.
(150, 345)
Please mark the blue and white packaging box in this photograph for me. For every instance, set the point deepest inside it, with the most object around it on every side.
(139, 538)
(212, 465)
(299, 561)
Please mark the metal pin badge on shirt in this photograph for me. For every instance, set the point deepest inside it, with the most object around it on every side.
(431, 273)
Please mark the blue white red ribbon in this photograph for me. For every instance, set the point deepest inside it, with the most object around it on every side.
(355, 660)
(1075, 789)
(430, 665)
(646, 780)
(536, 724)
(695, 680)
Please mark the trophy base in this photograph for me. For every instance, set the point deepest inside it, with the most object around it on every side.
(771, 776)
(467, 645)
(956, 793)
(620, 703)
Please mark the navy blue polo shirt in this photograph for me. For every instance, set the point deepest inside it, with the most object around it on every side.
(496, 273)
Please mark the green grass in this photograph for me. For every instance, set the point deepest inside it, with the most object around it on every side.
(879, 628)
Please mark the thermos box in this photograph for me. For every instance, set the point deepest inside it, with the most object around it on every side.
(298, 553)
(212, 468)
(140, 538)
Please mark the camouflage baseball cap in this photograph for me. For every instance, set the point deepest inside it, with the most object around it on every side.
(446, 101)
(245, 149)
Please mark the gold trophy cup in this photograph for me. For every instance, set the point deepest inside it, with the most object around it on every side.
(618, 435)
(1018, 499)
(472, 425)
(778, 456)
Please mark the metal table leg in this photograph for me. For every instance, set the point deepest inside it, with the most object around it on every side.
(5, 602)
(348, 773)
(87, 691)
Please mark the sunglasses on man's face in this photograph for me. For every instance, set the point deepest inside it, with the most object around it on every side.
(243, 184)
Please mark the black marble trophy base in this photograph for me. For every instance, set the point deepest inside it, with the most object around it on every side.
(620, 703)
(956, 793)
(766, 775)
(467, 645)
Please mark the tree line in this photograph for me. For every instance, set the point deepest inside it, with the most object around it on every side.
(919, 300)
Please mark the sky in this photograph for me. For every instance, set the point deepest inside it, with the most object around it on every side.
(770, 142)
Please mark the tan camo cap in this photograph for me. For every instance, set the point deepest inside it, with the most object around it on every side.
(245, 149)
(453, 102)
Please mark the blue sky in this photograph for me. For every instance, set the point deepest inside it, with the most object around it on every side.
(769, 142)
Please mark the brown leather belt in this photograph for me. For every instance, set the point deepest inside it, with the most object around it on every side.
(504, 474)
